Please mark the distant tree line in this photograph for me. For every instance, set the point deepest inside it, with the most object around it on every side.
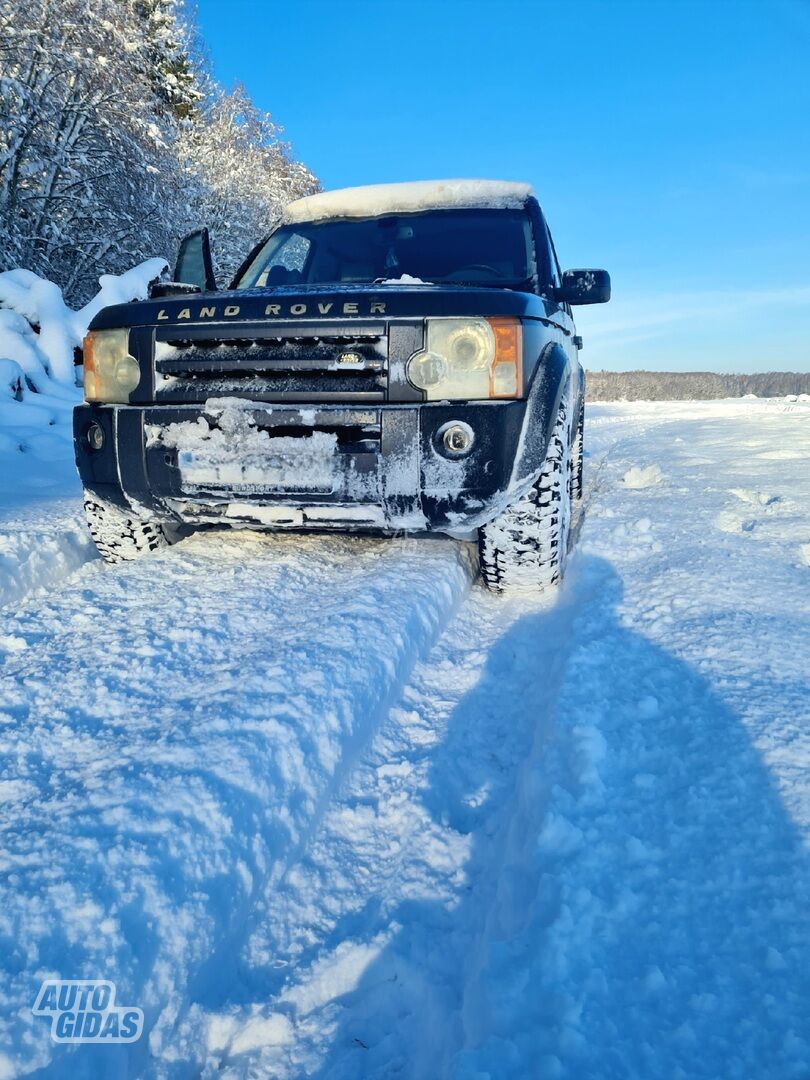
(115, 141)
(691, 385)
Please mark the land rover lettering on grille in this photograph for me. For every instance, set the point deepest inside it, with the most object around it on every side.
(275, 311)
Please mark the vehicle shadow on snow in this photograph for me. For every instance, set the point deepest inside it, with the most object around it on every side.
(635, 898)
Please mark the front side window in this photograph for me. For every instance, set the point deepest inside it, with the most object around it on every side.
(490, 248)
(285, 264)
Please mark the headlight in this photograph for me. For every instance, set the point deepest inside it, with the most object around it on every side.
(110, 373)
(469, 359)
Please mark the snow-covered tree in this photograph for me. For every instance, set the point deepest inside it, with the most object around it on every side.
(171, 57)
(81, 150)
(113, 143)
(240, 175)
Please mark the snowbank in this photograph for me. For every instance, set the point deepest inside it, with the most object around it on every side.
(30, 562)
(376, 199)
(43, 537)
(28, 301)
(209, 702)
(39, 334)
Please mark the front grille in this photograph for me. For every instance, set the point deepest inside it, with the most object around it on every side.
(294, 364)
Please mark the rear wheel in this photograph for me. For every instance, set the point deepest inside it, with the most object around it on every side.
(119, 536)
(524, 548)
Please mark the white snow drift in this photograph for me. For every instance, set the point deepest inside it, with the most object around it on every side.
(42, 532)
(27, 300)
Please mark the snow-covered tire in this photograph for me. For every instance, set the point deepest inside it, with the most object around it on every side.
(524, 549)
(577, 453)
(120, 537)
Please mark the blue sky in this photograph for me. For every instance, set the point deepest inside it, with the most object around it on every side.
(667, 141)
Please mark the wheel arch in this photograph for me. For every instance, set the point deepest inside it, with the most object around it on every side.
(552, 376)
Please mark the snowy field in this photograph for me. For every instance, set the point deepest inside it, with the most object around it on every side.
(324, 808)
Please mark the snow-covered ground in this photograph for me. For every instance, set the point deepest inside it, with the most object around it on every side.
(324, 808)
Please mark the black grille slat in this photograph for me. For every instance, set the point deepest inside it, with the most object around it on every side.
(285, 387)
(196, 367)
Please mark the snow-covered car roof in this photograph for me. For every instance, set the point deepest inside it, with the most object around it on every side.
(374, 200)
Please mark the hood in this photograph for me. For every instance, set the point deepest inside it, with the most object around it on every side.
(310, 303)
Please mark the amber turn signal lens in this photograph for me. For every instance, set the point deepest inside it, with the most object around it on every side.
(110, 373)
(506, 372)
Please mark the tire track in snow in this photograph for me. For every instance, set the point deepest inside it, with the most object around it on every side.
(173, 729)
(358, 964)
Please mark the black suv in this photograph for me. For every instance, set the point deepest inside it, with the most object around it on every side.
(391, 358)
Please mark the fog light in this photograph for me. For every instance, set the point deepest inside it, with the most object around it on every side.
(457, 439)
(95, 436)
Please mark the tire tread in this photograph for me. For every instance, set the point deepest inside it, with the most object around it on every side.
(119, 537)
(524, 548)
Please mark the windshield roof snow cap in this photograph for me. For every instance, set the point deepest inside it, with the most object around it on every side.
(376, 200)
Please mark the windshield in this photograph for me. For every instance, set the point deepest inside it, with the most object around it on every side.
(468, 247)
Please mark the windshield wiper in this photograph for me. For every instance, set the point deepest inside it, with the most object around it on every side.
(399, 281)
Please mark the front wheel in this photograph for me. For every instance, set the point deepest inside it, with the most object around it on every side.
(119, 536)
(524, 549)
(577, 454)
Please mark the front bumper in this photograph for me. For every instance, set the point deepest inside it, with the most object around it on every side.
(387, 470)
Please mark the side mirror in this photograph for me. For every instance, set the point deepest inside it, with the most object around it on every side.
(194, 266)
(584, 287)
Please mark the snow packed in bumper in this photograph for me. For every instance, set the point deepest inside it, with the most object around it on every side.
(233, 461)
